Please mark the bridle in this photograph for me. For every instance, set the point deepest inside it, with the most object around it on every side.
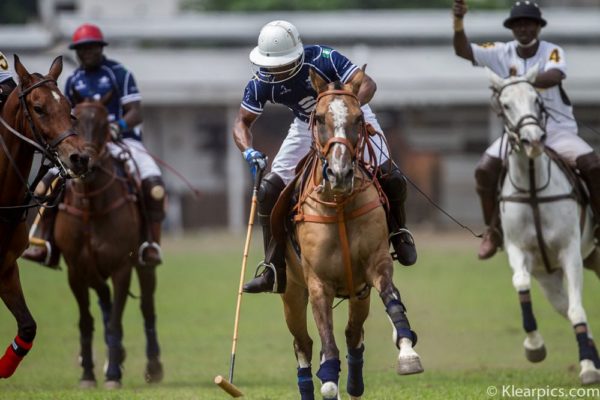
(323, 150)
(48, 149)
(513, 129)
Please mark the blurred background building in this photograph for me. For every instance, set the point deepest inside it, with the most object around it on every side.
(190, 58)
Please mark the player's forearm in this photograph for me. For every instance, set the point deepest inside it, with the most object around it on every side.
(242, 135)
(462, 47)
(548, 78)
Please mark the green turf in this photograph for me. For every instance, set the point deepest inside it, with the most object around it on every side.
(465, 312)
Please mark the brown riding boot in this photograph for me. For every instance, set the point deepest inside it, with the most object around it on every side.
(487, 175)
(589, 168)
(153, 209)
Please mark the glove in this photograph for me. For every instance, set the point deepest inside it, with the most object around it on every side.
(115, 131)
(256, 160)
(116, 128)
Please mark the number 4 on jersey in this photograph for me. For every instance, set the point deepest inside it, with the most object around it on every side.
(554, 56)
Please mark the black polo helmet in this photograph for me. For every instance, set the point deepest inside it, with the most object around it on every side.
(524, 10)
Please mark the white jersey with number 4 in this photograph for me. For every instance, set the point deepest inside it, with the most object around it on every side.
(501, 57)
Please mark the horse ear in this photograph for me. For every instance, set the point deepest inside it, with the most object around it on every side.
(532, 74)
(22, 73)
(494, 79)
(106, 98)
(357, 80)
(56, 68)
(317, 82)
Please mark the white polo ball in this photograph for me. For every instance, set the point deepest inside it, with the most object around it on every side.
(329, 390)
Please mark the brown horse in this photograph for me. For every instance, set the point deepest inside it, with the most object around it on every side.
(341, 230)
(98, 230)
(35, 116)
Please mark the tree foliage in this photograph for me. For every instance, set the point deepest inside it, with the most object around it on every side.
(17, 11)
(293, 5)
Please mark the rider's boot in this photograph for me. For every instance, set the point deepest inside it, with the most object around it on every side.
(487, 175)
(393, 184)
(272, 278)
(153, 197)
(41, 248)
(589, 167)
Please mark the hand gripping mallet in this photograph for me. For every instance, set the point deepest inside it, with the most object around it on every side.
(227, 385)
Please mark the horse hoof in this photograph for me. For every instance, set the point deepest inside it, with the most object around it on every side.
(590, 377)
(409, 366)
(329, 391)
(111, 385)
(87, 384)
(536, 355)
(154, 372)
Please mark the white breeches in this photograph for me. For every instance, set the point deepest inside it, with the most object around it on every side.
(297, 144)
(141, 161)
(568, 145)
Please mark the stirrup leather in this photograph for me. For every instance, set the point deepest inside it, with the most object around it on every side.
(262, 267)
(398, 232)
(143, 248)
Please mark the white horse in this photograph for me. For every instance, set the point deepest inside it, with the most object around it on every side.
(545, 233)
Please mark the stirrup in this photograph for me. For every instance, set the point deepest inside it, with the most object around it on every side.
(143, 248)
(261, 269)
(48, 253)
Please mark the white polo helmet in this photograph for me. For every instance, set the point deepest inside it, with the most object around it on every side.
(279, 45)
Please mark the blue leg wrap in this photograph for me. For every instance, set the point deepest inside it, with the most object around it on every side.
(587, 351)
(305, 384)
(330, 371)
(355, 385)
(529, 323)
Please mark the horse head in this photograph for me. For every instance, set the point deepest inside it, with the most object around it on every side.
(338, 130)
(92, 121)
(46, 117)
(520, 106)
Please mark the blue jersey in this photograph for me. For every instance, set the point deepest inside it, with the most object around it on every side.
(297, 93)
(94, 84)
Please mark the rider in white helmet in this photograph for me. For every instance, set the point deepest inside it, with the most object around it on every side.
(280, 65)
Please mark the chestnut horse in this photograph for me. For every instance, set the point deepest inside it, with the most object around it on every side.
(342, 233)
(36, 116)
(98, 230)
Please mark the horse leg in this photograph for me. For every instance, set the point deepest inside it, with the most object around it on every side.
(12, 295)
(295, 300)
(105, 303)
(404, 338)
(588, 355)
(121, 279)
(535, 350)
(358, 313)
(86, 329)
(147, 278)
(321, 298)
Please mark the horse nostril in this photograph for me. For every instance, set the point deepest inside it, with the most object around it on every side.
(329, 172)
(349, 174)
(79, 160)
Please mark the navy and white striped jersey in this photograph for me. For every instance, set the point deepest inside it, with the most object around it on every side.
(94, 84)
(297, 92)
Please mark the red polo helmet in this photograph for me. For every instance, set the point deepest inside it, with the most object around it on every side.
(87, 33)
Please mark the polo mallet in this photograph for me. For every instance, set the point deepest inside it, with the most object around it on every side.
(227, 385)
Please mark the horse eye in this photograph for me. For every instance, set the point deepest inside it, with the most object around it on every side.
(39, 110)
(320, 119)
(506, 106)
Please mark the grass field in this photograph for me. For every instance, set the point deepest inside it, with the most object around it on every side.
(465, 312)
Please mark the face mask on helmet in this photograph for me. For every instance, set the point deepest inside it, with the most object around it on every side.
(279, 55)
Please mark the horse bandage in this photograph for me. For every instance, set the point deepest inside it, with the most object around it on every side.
(157, 192)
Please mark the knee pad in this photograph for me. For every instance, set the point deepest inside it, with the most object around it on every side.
(153, 190)
(269, 190)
